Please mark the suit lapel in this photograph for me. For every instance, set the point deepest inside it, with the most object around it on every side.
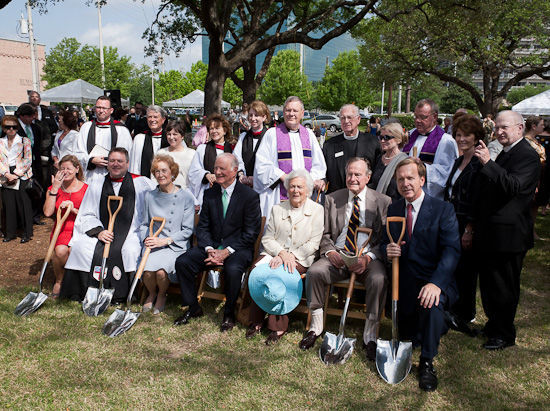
(340, 201)
(218, 203)
(339, 148)
(423, 217)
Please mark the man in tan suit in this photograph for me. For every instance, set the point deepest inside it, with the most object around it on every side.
(346, 209)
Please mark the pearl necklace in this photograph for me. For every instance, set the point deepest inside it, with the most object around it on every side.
(67, 191)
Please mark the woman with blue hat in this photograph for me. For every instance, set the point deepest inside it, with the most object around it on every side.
(290, 243)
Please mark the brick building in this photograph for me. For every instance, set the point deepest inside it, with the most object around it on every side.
(16, 77)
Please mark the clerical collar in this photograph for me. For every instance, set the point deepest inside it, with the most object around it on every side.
(257, 133)
(103, 123)
(116, 180)
(159, 134)
(433, 128)
(352, 137)
(220, 146)
(294, 131)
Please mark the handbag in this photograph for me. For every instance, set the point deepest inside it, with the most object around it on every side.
(34, 189)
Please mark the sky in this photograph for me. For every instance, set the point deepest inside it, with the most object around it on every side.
(123, 23)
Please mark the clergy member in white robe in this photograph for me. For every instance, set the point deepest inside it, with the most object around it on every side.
(90, 232)
(104, 132)
(284, 148)
(437, 149)
(147, 144)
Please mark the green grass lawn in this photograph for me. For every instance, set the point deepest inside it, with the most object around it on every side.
(57, 359)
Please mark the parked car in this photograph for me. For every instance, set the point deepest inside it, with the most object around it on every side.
(9, 108)
(332, 122)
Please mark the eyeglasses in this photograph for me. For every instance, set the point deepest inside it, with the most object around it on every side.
(423, 118)
(102, 108)
(10, 127)
(385, 138)
(347, 118)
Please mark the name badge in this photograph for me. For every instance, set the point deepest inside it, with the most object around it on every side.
(339, 154)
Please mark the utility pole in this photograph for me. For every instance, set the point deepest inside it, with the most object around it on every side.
(382, 103)
(34, 60)
(101, 61)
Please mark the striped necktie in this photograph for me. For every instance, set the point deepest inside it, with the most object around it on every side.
(352, 227)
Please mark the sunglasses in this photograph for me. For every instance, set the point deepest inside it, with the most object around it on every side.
(10, 127)
(385, 138)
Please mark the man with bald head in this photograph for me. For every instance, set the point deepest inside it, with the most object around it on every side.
(503, 225)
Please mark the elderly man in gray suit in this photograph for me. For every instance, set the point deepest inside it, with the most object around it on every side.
(345, 210)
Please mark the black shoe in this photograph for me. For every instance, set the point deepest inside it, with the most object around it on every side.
(252, 331)
(370, 349)
(184, 319)
(38, 222)
(497, 344)
(308, 341)
(456, 323)
(227, 324)
(25, 240)
(479, 332)
(8, 239)
(427, 378)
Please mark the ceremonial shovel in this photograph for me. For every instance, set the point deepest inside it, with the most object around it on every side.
(98, 299)
(33, 301)
(393, 358)
(337, 349)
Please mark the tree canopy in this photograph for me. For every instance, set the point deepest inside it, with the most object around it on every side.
(453, 40)
(284, 78)
(70, 60)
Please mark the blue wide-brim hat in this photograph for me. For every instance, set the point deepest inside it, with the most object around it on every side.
(276, 291)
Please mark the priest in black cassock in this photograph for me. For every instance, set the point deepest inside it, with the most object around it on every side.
(147, 144)
(90, 234)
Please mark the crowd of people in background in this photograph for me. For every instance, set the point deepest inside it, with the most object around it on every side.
(466, 188)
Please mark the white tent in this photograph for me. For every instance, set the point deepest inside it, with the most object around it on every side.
(76, 91)
(193, 99)
(538, 105)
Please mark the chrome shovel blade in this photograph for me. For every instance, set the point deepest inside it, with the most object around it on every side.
(30, 303)
(96, 301)
(336, 349)
(119, 322)
(393, 365)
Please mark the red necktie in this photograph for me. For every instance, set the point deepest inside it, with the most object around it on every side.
(410, 219)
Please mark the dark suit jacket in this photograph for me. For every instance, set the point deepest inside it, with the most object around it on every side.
(367, 147)
(241, 225)
(503, 214)
(376, 208)
(36, 150)
(432, 253)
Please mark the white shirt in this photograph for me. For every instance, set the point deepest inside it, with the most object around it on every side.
(13, 151)
(416, 204)
(361, 237)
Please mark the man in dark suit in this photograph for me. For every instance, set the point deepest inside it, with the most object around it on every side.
(330, 268)
(229, 224)
(134, 117)
(504, 226)
(26, 113)
(44, 113)
(352, 143)
(428, 258)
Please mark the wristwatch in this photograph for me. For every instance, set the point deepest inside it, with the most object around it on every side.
(169, 241)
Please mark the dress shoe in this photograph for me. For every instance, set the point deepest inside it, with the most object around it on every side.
(273, 338)
(157, 311)
(479, 332)
(456, 323)
(147, 307)
(252, 331)
(227, 324)
(8, 239)
(184, 319)
(25, 240)
(427, 378)
(308, 341)
(370, 349)
(497, 344)
(39, 222)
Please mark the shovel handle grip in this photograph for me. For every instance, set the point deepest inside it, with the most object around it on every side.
(60, 219)
(395, 260)
(415, 151)
(112, 217)
(366, 231)
(147, 251)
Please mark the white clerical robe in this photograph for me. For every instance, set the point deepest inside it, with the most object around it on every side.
(267, 172)
(102, 138)
(197, 173)
(438, 172)
(137, 150)
(83, 246)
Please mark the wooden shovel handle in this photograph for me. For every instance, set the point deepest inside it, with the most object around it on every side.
(351, 284)
(59, 223)
(112, 217)
(415, 151)
(395, 260)
(147, 251)
(366, 231)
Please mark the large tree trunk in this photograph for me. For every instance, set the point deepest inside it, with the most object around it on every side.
(408, 99)
(215, 80)
(249, 84)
